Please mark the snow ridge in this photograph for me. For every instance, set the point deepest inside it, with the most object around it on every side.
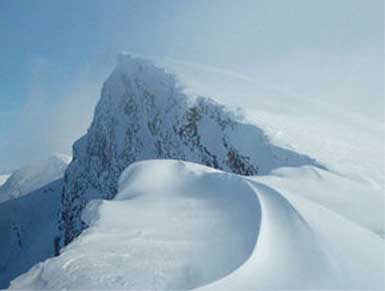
(144, 114)
(197, 227)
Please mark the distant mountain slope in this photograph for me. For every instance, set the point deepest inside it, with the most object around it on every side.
(178, 226)
(28, 226)
(144, 114)
(3, 179)
(33, 176)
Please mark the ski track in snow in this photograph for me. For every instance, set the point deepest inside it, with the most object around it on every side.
(177, 225)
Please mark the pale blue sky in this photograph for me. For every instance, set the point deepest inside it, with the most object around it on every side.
(55, 54)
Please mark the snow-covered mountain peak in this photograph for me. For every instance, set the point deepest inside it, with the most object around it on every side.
(204, 199)
(142, 72)
(126, 61)
(143, 114)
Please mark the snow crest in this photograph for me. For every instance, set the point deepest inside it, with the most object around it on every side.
(178, 226)
(144, 114)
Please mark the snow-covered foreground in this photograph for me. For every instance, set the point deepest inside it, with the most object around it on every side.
(179, 225)
(309, 241)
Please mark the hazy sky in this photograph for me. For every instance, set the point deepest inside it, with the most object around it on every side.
(54, 56)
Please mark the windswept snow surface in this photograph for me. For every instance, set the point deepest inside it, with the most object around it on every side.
(179, 225)
(348, 142)
(351, 145)
(143, 114)
(173, 225)
(307, 240)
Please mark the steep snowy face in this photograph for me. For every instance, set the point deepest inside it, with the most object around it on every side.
(28, 227)
(144, 114)
(34, 176)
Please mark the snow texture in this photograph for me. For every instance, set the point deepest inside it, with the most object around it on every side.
(144, 114)
(177, 225)
(302, 223)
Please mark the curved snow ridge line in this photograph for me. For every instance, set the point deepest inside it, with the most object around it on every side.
(144, 113)
(177, 225)
(337, 193)
(287, 254)
(173, 226)
(370, 231)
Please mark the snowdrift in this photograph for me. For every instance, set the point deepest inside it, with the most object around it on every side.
(178, 225)
(144, 113)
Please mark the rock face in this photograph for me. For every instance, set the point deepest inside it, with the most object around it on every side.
(144, 114)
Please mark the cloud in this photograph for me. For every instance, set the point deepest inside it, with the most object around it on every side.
(53, 114)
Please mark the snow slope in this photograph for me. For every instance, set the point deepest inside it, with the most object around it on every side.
(312, 229)
(3, 179)
(33, 176)
(351, 146)
(308, 242)
(30, 202)
(144, 113)
(28, 226)
(178, 225)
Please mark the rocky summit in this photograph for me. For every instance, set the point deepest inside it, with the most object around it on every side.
(143, 114)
